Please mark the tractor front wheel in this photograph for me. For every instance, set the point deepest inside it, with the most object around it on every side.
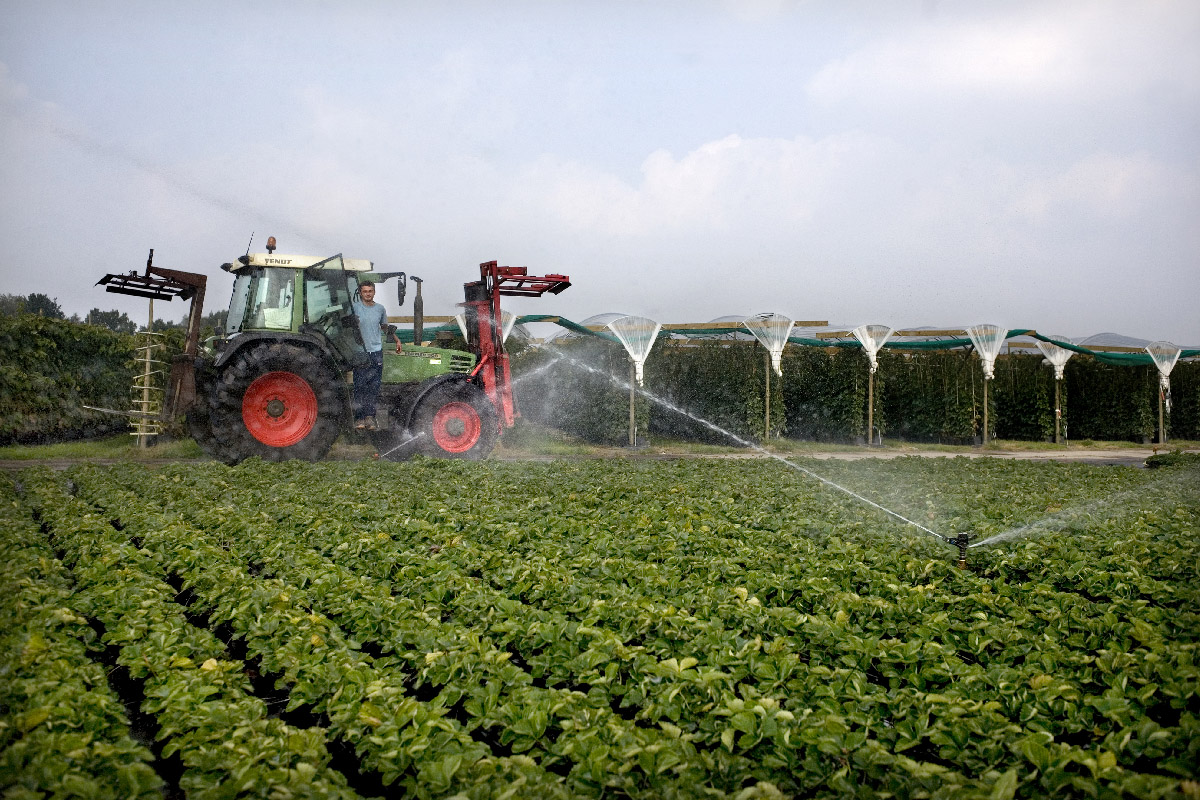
(276, 401)
(456, 421)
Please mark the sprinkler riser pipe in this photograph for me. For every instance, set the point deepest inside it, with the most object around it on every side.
(767, 404)
(871, 408)
(961, 542)
(632, 397)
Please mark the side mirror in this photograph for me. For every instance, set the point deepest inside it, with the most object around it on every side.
(401, 288)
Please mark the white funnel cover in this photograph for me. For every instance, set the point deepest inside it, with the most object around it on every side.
(872, 338)
(988, 340)
(507, 320)
(638, 335)
(1057, 356)
(772, 330)
(1165, 355)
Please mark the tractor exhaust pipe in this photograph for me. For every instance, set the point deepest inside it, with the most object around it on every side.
(418, 313)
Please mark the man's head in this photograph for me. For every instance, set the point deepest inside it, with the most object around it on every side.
(366, 290)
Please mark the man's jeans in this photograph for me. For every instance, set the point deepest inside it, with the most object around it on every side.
(367, 380)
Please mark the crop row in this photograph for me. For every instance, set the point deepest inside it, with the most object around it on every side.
(64, 731)
(1067, 705)
(732, 701)
(467, 677)
(796, 656)
(202, 700)
(352, 697)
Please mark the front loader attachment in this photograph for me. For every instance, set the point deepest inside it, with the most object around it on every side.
(158, 283)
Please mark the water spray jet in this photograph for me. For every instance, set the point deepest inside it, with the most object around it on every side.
(960, 541)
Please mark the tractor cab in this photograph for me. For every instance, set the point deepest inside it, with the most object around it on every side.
(300, 294)
(282, 293)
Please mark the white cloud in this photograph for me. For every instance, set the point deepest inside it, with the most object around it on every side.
(11, 90)
(955, 58)
(1049, 50)
(716, 189)
(1104, 185)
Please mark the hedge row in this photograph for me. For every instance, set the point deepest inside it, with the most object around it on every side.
(932, 396)
(51, 368)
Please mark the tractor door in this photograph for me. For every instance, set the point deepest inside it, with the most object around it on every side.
(328, 291)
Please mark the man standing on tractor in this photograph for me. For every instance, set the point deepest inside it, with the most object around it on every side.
(372, 322)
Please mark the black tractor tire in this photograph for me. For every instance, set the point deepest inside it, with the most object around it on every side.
(199, 425)
(456, 420)
(277, 401)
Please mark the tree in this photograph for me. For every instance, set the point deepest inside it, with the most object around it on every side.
(208, 323)
(163, 325)
(211, 321)
(38, 303)
(114, 320)
(11, 304)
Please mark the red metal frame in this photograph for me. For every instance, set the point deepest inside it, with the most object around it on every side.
(496, 281)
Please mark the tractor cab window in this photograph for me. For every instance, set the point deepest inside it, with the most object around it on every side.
(326, 292)
(237, 303)
(269, 299)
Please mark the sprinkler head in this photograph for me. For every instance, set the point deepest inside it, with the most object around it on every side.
(961, 541)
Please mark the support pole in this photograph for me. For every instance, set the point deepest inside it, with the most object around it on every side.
(985, 412)
(143, 437)
(1057, 411)
(870, 408)
(767, 404)
(632, 417)
(1162, 427)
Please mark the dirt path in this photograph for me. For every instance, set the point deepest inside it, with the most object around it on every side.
(1117, 456)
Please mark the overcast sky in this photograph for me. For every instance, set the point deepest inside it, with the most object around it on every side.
(905, 162)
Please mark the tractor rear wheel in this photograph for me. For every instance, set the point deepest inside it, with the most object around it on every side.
(276, 401)
(199, 425)
(456, 420)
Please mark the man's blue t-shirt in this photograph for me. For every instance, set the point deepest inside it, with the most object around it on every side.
(370, 320)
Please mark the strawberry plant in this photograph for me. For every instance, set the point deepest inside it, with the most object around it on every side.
(648, 629)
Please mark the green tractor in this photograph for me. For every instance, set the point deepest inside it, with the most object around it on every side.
(275, 383)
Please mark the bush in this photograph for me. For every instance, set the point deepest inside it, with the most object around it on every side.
(50, 369)
(930, 396)
(825, 391)
(573, 386)
(722, 382)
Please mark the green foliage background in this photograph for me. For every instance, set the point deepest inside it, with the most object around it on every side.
(50, 368)
(930, 396)
(825, 392)
(589, 404)
(722, 382)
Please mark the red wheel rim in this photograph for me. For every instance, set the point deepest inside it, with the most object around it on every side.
(456, 427)
(279, 409)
